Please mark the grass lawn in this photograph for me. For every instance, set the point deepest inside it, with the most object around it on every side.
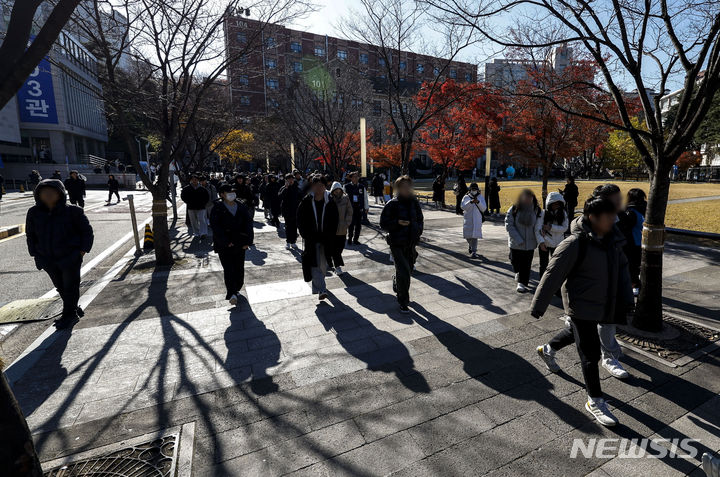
(702, 216)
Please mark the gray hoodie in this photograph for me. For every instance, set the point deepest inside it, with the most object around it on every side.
(524, 237)
(594, 288)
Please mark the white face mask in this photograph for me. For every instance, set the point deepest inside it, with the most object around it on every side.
(230, 196)
(474, 192)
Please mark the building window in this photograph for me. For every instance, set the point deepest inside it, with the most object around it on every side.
(273, 83)
(381, 61)
(436, 71)
(270, 42)
(245, 100)
(319, 51)
(271, 64)
(453, 73)
(297, 67)
(273, 103)
(364, 59)
(296, 47)
(241, 37)
(377, 108)
(403, 65)
(243, 60)
(243, 80)
(342, 54)
(468, 77)
(420, 68)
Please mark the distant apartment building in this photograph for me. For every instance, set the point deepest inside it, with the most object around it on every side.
(504, 73)
(276, 53)
(58, 116)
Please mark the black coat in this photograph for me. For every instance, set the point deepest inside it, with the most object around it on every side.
(308, 228)
(59, 235)
(231, 229)
(570, 194)
(113, 185)
(402, 209)
(271, 198)
(75, 188)
(438, 188)
(289, 200)
(494, 196)
(377, 186)
(356, 193)
(195, 199)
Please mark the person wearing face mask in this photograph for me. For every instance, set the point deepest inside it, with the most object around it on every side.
(555, 224)
(473, 207)
(232, 227)
(523, 222)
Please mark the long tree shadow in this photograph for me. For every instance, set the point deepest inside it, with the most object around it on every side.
(363, 343)
(465, 293)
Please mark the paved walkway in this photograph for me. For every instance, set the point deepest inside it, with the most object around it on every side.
(281, 385)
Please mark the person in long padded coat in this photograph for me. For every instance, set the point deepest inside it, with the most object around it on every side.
(523, 222)
(317, 219)
(290, 196)
(272, 199)
(232, 225)
(345, 215)
(473, 207)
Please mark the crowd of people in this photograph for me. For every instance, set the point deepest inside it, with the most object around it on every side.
(591, 261)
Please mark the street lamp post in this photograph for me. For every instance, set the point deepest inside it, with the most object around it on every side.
(488, 158)
(292, 157)
(363, 148)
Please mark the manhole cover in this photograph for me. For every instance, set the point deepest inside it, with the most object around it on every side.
(30, 310)
(144, 456)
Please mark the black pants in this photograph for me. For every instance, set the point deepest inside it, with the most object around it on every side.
(521, 261)
(458, 202)
(77, 201)
(291, 230)
(404, 258)
(545, 258)
(587, 340)
(634, 256)
(355, 225)
(233, 263)
(571, 211)
(66, 280)
(110, 194)
(338, 246)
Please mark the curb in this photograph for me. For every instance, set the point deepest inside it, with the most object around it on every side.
(693, 233)
(10, 231)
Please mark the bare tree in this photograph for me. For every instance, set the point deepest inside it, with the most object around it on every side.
(179, 52)
(394, 27)
(323, 110)
(642, 45)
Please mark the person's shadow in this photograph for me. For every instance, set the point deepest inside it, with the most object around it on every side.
(256, 256)
(352, 338)
(465, 293)
(264, 349)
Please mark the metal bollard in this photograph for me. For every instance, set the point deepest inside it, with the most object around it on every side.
(131, 202)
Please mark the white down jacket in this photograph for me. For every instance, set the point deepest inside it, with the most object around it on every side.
(557, 231)
(472, 216)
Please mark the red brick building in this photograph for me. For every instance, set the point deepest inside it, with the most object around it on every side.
(261, 76)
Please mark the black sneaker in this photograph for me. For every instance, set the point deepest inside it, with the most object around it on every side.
(404, 309)
(80, 312)
(66, 322)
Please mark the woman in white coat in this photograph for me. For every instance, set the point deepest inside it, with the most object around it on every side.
(473, 206)
(555, 225)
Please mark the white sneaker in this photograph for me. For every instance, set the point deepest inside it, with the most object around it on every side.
(598, 408)
(636, 291)
(614, 367)
(338, 271)
(521, 288)
(548, 356)
(233, 300)
(288, 246)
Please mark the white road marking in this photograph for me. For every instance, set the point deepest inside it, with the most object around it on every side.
(277, 291)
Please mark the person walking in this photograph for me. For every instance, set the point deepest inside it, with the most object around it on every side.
(272, 200)
(403, 219)
(570, 194)
(196, 198)
(356, 193)
(493, 194)
(473, 207)
(345, 215)
(289, 202)
(377, 187)
(317, 219)
(591, 270)
(232, 226)
(631, 222)
(58, 237)
(34, 178)
(212, 193)
(113, 188)
(387, 190)
(523, 222)
(438, 188)
(460, 190)
(554, 228)
(75, 187)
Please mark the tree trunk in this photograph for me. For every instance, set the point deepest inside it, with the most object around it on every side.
(17, 451)
(405, 148)
(545, 176)
(163, 251)
(648, 314)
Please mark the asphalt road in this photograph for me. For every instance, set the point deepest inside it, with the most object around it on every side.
(20, 278)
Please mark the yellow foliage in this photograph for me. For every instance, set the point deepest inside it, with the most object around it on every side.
(234, 146)
(620, 149)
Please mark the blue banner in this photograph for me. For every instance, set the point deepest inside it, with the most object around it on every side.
(36, 99)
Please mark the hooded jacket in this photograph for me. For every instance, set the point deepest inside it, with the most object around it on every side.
(472, 215)
(557, 231)
(57, 236)
(345, 210)
(595, 284)
(523, 237)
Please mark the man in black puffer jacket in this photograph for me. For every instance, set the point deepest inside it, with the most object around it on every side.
(75, 187)
(289, 202)
(402, 217)
(58, 236)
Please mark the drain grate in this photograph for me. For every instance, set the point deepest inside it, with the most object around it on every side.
(151, 455)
